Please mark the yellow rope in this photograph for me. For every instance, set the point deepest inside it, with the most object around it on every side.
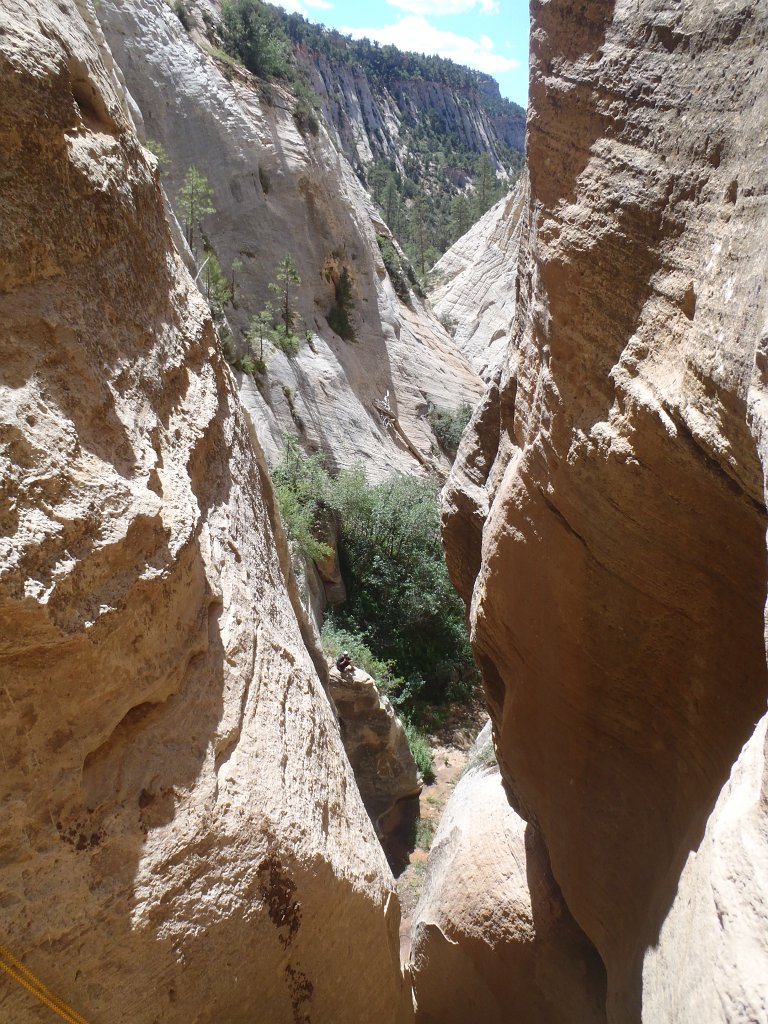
(24, 977)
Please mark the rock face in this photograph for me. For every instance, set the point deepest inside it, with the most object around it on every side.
(278, 192)
(183, 839)
(472, 286)
(606, 520)
(713, 948)
(377, 748)
(369, 117)
(491, 930)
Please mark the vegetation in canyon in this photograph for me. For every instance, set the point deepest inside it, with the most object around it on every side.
(402, 620)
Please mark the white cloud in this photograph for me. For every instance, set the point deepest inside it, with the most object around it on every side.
(415, 33)
(437, 7)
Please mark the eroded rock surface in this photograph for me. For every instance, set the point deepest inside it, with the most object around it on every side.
(713, 948)
(472, 286)
(610, 489)
(491, 930)
(183, 839)
(378, 751)
(278, 192)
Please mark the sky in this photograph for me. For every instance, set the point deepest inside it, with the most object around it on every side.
(490, 35)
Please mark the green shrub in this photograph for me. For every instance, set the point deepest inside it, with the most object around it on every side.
(251, 365)
(401, 605)
(287, 341)
(400, 595)
(252, 34)
(306, 108)
(339, 316)
(394, 267)
(448, 425)
(423, 833)
(422, 753)
(301, 489)
(182, 13)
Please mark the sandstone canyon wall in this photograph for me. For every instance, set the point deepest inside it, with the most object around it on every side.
(606, 516)
(493, 940)
(472, 286)
(183, 840)
(277, 191)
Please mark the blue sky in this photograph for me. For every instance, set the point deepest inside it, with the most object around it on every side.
(491, 35)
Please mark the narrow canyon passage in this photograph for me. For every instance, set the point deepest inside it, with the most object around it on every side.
(345, 403)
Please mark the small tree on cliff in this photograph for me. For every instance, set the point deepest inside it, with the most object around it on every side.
(284, 287)
(196, 200)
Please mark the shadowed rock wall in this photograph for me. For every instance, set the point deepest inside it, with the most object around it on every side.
(606, 517)
(183, 839)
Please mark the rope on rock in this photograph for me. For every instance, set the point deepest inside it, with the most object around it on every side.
(24, 977)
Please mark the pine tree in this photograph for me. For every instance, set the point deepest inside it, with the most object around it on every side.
(286, 280)
(459, 215)
(391, 202)
(196, 200)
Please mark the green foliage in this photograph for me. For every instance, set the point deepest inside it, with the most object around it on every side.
(250, 365)
(284, 286)
(195, 197)
(394, 267)
(301, 488)
(401, 605)
(339, 315)
(279, 323)
(181, 11)
(448, 425)
(306, 108)
(259, 330)
(422, 755)
(286, 341)
(215, 286)
(400, 596)
(252, 34)
(158, 151)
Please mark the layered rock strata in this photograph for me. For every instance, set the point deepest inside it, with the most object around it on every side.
(378, 751)
(491, 930)
(472, 286)
(183, 838)
(609, 495)
(278, 192)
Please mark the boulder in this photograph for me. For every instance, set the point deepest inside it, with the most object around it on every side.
(492, 938)
(378, 751)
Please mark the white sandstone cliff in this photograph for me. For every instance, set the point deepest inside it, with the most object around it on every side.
(278, 192)
(472, 287)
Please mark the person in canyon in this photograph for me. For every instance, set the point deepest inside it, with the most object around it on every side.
(344, 662)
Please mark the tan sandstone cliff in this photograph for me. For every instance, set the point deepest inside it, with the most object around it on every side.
(491, 928)
(277, 191)
(182, 839)
(606, 517)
